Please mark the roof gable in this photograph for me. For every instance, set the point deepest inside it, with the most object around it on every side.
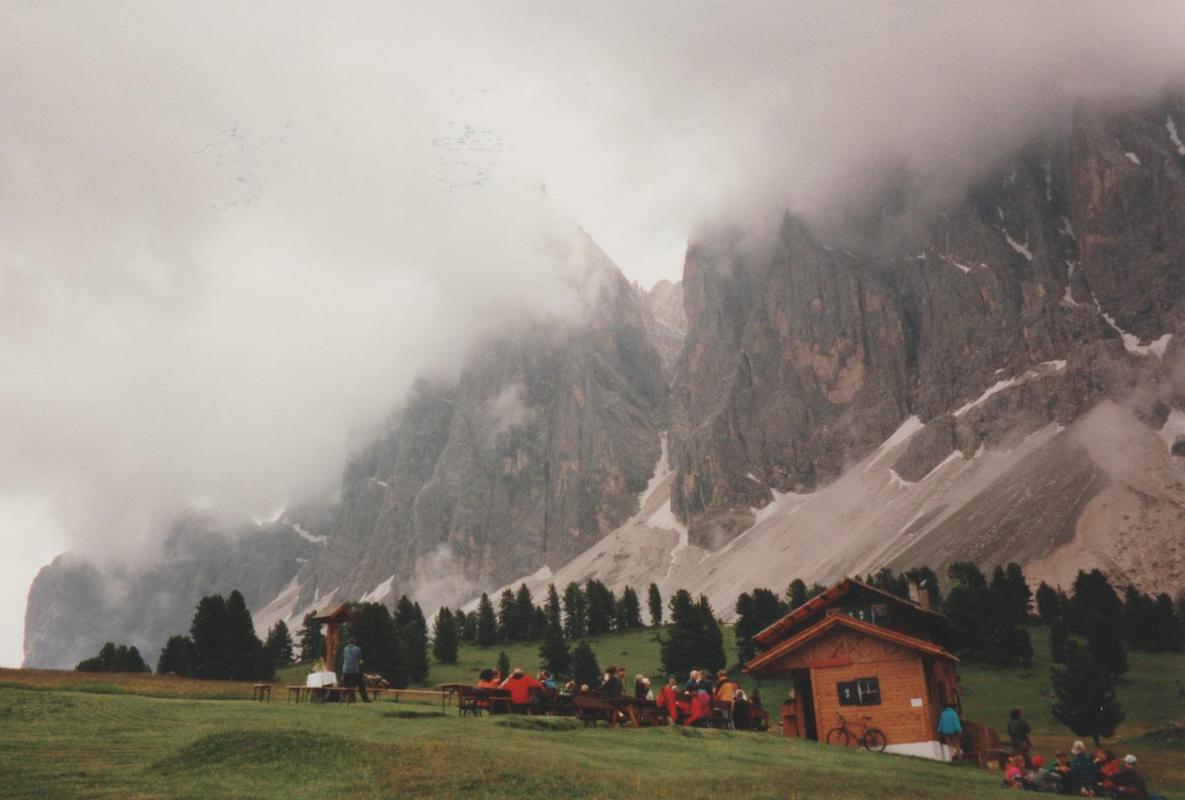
(842, 621)
(786, 625)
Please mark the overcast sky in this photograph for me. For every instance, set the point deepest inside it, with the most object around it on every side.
(232, 233)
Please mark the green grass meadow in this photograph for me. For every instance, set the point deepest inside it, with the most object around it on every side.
(68, 739)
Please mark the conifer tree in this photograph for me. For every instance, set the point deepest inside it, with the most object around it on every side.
(575, 607)
(523, 618)
(504, 664)
(1166, 631)
(248, 660)
(712, 655)
(629, 611)
(414, 643)
(468, 626)
(654, 600)
(507, 611)
(312, 640)
(1104, 640)
(1086, 702)
(599, 613)
(176, 658)
(555, 614)
(553, 653)
(1048, 606)
(382, 648)
(444, 637)
(1059, 634)
(796, 594)
(487, 625)
(585, 669)
(405, 612)
(683, 647)
(278, 645)
(1092, 592)
(206, 632)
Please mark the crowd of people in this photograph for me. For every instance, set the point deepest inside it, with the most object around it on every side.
(1078, 772)
(690, 703)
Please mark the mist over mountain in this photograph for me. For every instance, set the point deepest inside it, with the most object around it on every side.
(356, 271)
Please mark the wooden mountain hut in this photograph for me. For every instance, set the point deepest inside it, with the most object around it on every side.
(861, 652)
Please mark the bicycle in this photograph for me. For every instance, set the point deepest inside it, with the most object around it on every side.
(871, 739)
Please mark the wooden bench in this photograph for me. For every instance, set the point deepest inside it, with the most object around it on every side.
(591, 710)
(261, 692)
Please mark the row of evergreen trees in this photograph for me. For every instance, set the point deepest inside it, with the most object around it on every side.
(113, 658)
(222, 644)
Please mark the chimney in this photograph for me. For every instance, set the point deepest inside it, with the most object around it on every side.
(917, 595)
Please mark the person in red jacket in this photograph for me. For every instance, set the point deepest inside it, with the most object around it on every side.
(519, 684)
(668, 698)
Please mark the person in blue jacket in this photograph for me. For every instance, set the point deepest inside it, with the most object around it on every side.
(950, 729)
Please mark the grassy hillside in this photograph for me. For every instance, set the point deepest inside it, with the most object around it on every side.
(64, 735)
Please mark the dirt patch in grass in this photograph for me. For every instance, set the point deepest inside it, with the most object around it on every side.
(413, 714)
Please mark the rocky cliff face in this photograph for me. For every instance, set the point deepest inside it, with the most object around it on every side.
(1056, 282)
(536, 452)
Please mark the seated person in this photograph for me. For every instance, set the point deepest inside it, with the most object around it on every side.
(519, 684)
(1129, 781)
(740, 710)
(693, 681)
(1040, 779)
(485, 680)
(668, 698)
(1014, 774)
(611, 688)
(1060, 768)
(642, 688)
(545, 678)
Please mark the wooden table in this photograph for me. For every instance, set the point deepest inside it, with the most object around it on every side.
(261, 692)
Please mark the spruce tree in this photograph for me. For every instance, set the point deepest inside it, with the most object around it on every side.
(712, 655)
(629, 611)
(278, 645)
(210, 659)
(1137, 619)
(487, 624)
(176, 658)
(248, 661)
(654, 600)
(507, 615)
(1048, 605)
(414, 642)
(796, 594)
(444, 637)
(523, 619)
(1104, 640)
(553, 653)
(745, 627)
(469, 627)
(1086, 702)
(132, 661)
(575, 608)
(312, 640)
(598, 618)
(504, 664)
(382, 647)
(585, 669)
(555, 614)
(1059, 634)
(682, 648)
(1092, 592)
(1166, 631)
(405, 612)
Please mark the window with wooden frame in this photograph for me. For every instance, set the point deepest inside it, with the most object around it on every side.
(860, 692)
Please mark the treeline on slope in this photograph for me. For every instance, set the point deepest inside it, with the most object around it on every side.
(114, 658)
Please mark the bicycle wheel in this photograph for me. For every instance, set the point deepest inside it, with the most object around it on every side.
(839, 736)
(874, 740)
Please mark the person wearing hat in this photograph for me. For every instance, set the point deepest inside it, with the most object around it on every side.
(352, 669)
(1129, 781)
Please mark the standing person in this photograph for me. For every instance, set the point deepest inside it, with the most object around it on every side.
(1019, 730)
(951, 731)
(352, 669)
